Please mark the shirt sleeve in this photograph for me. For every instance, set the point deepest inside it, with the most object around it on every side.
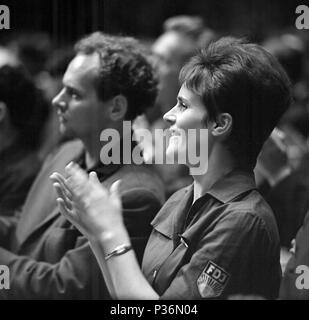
(75, 276)
(139, 208)
(221, 264)
(76, 273)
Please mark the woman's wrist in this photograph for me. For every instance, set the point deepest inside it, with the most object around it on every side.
(109, 240)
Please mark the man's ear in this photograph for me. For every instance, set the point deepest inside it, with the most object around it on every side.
(118, 108)
(223, 125)
(3, 111)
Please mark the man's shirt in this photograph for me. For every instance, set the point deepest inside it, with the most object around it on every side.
(225, 243)
(47, 256)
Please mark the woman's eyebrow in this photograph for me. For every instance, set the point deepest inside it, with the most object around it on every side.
(181, 99)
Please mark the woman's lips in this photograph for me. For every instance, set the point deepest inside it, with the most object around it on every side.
(174, 132)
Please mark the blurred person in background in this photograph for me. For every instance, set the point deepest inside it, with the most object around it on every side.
(181, 39)
(284, 160)
(22, 119)
(46, 66)
(289, 49)
(32, 49)
(7, 57)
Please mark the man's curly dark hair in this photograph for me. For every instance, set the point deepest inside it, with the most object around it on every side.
(124, 69)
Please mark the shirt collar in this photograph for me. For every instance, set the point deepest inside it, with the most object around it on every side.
(232, 185)
(166, 220)
(226, 189)
(103, 171)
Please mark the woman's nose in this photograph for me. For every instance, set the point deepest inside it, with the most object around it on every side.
(170, 117)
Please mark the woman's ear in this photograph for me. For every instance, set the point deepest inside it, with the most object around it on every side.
(223, 125)
(3, 111)
(118, 108)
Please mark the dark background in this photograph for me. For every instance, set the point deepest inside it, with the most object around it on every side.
(66, 20)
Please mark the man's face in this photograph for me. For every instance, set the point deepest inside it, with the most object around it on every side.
(81, 114)
(171, 50)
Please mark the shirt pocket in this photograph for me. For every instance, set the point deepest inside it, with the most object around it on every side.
(157, 250)
(59, 242)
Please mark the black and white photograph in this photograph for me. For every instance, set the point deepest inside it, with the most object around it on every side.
(154, 150)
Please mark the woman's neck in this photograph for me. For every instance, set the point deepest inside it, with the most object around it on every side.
(220, 163)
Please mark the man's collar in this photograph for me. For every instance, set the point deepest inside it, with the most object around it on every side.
(104, 170)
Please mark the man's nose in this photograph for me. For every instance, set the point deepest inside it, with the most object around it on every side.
(59, 102)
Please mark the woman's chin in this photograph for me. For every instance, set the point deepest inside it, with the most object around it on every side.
(175, 155)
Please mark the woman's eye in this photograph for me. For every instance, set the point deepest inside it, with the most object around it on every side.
(182, 106)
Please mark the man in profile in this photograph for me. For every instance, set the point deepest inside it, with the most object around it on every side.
(108, 81)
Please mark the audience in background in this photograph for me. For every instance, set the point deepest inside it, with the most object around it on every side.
(22, 118)
(285, 182)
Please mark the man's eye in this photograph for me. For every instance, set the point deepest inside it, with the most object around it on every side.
(73, 94)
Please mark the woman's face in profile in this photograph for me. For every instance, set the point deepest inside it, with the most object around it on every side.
(188, 113)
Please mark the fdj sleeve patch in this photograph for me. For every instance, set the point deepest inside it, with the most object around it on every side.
(212, 281)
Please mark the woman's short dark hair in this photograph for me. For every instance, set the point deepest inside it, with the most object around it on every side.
(124, 69)
(242, 79)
